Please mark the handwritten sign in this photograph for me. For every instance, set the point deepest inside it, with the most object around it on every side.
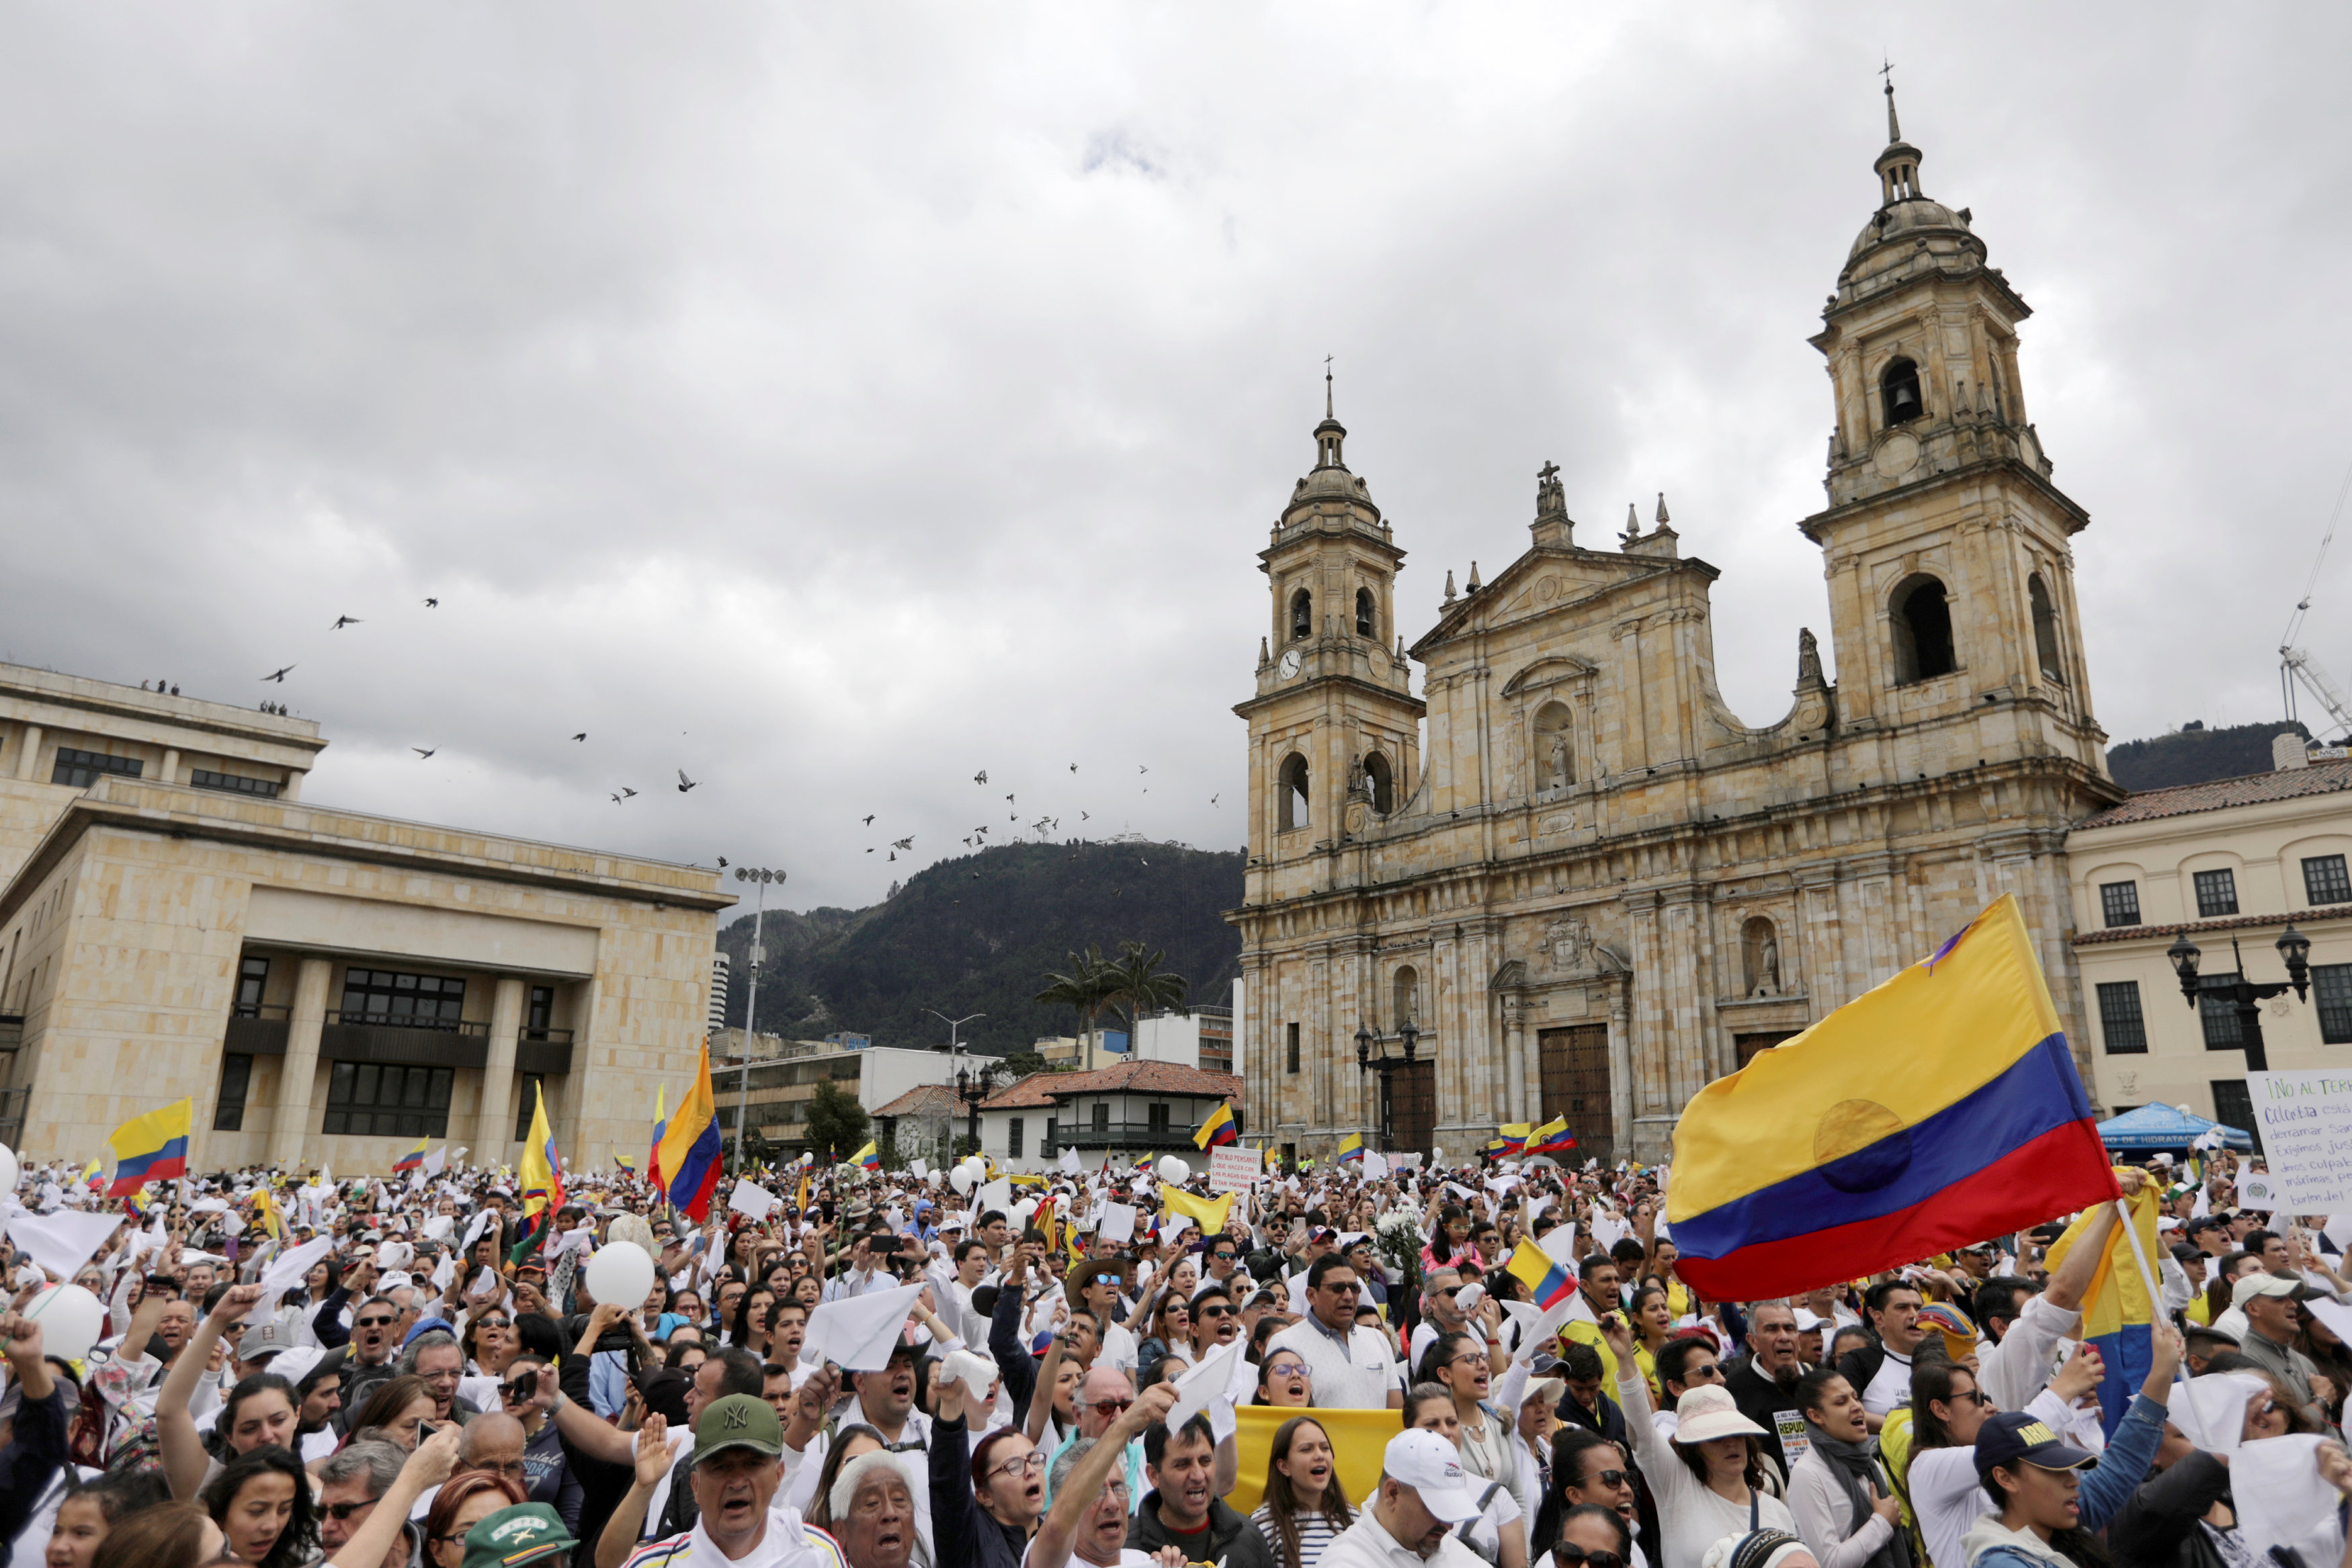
(1233, 1170)
(2306, 1122)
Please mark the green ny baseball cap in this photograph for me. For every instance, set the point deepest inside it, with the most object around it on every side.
(527, 1532)
(737, 1421)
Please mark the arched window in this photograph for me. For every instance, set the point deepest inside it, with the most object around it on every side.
(2045, 630)
(1898, 387)
(1383, 782)
(1366, 626)
(1407, 998)
(1555, 749)
(1921, 623)
(1302, 616)
(1292, 792)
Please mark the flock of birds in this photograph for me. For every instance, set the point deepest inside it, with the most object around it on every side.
(977, 839)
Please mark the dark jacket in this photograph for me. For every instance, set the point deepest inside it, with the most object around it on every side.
(960, 1532)
(1231, 1539)
(2157, 1528)
(1761, 1400)
(1014, 1362)
(602, 1485)
(32, 1458)
(1860, 1366)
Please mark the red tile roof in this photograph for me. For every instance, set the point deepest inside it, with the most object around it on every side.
(1150, 1078)
(1024, 1094)
(922, 1100)
(2183, 799)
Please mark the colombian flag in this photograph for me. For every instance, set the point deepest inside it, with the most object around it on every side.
(1352, 1147)
(153, 1147)
(2119, 1308)
(661, 1125)
(1552, 1138)
(1511, 1138)
(542, 1178)
(687, 1158)
(625, 1162)
(1548, 1283)
(1940, 1108)
(866, 1158)
(1218, 1129)
(413, 1159)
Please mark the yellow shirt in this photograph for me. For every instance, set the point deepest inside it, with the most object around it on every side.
(1589, 1333)
(1648, 1363)
(2200, 1310)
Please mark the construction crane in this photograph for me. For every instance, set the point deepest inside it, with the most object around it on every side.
(2294, 663)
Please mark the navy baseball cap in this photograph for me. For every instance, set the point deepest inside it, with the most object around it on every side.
(2013, 1437)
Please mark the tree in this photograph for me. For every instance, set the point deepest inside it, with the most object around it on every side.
(1087, 987)
(1020, 1064)
(836, 1123)
(1138, 985)
(757, 1150)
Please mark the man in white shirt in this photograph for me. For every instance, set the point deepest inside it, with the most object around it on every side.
(1352, 1367)
(1424, 1495)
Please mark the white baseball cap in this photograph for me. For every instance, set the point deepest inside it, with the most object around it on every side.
(1432, 1466)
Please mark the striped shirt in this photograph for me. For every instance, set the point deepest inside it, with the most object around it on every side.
(1316, 1532)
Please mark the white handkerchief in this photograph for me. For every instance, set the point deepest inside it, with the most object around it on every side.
(61, 1242)
(287, 1270)
(1203, 1384)
(1070, 1163)
(2210, 1411)
(2281, 1501)
(997, 1195)
(1376, 1166)
(857, 1333)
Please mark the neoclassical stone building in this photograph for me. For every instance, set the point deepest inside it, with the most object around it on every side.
(1590, 885)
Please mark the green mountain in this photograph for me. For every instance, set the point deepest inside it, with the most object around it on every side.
(979, 933)
(2195, 755)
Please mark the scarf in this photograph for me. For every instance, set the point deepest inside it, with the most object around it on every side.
(1856, 1464)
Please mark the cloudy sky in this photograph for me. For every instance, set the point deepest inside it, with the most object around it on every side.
(835, 400)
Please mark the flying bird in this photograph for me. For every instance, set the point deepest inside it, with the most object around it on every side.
(625, 790)
(277, 676)
(1082, 816)
(906, 843)
(1140, 768)
(616, 799)
(894, 854)
(1008, 800)
(1212, 800)
(684, 783)
(722, 859)
(981, 777)
(975, 876)
(967, 843)
(869, 848)
(582, 736)
(344, 620)
(432, 604)
(869, 819)
(1074, 767)
(422, 752)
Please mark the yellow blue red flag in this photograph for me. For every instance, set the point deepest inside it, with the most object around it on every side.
(686, 1159)
(1548, 1283)
(541, 1177)
(2119, 1307)
(1936, 1110)
(1552, 1138)
(1352, 1147)
(414, 1157)
(1218, 1129)
(661, 1126)
(153, 1147)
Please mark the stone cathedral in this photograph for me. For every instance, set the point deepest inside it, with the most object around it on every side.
(1586, 883)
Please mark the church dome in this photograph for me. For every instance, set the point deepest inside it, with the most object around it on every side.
(1902, 221)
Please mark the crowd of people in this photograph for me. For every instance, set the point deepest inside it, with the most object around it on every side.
(1344, 1372)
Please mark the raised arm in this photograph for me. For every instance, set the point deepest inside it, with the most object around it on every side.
(626, 1522)
(1057, 1532)
(429, 1466)
(184, 1460)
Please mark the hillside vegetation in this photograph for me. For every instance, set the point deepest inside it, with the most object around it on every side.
(980, 933)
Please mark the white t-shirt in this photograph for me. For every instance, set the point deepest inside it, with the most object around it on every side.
(1890, 1386)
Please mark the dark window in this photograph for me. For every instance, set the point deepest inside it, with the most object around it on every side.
(2120, 1017)
(1922, 630)
(1383, 782)
(2324, 880)
(541, 1015)
(1302, 616)
(413, 1001)
(1292, 791)
(2217, 892)
(1898, 386)
(2219, 1014)
(527, 1091)
(236, 1074)
(252, 980)
(2234, 1107)
(83, 768)
(1013, 1129)
(367, 1099)
(2331, 992)
(2119, 902)
(1102, 1118)
(1053, 1135)
(1365, 625)
(2045, 630)
(1293, 1029)
(234, 783)
(1156, 1117)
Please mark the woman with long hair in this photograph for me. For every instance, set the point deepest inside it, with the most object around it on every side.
(1840, 1491)
(463, 1502)
(489, 1343)
(260, 1411)
(1449, 1245)
(1305, 1505)
(261, 1500)
(750, 1329)
(1172, 1333)
(1654, 1325)
(1282, 1381)
(1499, 1532)
(91, 1510)
(1709, 1477)
(1938, 1476)
(170, 1535)
(1459, 1364)
(395, 1409)
(2334, 1360)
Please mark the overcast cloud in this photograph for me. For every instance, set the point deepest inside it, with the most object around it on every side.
(833, 402)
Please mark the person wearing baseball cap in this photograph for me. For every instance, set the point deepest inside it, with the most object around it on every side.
(525, 1534)
(1424, 1498)
(737, 1441)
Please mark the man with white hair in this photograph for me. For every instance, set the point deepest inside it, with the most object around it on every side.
(1423, 1499)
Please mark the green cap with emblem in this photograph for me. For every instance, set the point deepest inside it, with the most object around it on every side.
(527, 1532)
(737, 1421)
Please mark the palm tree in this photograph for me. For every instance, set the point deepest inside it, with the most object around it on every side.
(1139, 985)
(1086, 987)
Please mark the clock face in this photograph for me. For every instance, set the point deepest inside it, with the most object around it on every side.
(1289, 663)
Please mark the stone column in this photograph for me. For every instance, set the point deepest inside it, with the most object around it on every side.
(32, 752)
(289, 1125)
(495, 1130)
(170, 772)
(1514, 1098)
(293, 789)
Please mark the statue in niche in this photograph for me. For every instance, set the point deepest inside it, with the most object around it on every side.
(1557, 777)
(1761, 946)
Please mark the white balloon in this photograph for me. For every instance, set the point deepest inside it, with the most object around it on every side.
(1024, 1208)
(622, 1274)
(7, 1169)
(1173, 1170)
(69, 1317)
(960, 1178)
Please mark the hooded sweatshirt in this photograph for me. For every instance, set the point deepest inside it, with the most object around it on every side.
(1988, 1545)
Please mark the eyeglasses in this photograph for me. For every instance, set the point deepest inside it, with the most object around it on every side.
(1212, 1310)
(1567, 1551)
(1221, 1257)
(1706, 1372)
(520, 1390)
(1032, 1461)
(1106, 1279)
(494, 1322)
(1287, 1369)
(340, 1511)
(371, 1323)
(1611, 1478)
(1337, 1286)
(1108, 1408)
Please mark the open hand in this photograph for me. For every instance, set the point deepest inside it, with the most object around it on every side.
(653, 1451)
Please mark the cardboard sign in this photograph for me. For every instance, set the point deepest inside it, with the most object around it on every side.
(2305, 1120)
(1232, 1168)
(2256, 1191)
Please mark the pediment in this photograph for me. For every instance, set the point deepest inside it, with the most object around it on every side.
(1554, 670)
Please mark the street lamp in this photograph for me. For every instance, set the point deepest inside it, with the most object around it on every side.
(761, 878)
(2293, 948)
(1386, 1066)
(953, 1025)
(971, 1088)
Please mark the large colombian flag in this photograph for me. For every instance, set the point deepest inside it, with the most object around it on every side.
(154, 1147)
(1939, 1109)
(688, 1154)
(1219, 1129)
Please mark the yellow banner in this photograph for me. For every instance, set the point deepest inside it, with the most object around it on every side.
(1359, 1440)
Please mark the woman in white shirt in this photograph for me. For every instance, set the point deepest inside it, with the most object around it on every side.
(1459, 1363)
(1709, 1477)
(1499, 1534)
(1845, 1507)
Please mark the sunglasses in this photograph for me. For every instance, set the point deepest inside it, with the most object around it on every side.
(1221, 1257)
(522, 1389)
(1609, 1479)
(371, 1324)
(340, 1511)
(1109, 1408)
(494, 1322)
(1568, 1553)
(1213, 1309)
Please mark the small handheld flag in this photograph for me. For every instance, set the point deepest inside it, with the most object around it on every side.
(1552, 1138)
(1511, 1138)
(661, 1125)
(415, 1158)
(866, 1158)
(1548, 1283)
(1352, 1147)
(1218, 1129)
(153, 1147)
(542, 1178)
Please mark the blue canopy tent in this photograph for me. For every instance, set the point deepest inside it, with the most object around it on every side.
(2154, 1128)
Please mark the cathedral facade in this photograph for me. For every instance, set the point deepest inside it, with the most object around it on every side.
(1585, 885)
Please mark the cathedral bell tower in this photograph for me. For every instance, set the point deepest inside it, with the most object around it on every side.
(1951, 578)
(1334, 726)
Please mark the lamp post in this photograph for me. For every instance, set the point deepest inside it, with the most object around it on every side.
(2293, 948)
(761, 878)
(1386, 1065)
(971, 1088)
(953, 1025)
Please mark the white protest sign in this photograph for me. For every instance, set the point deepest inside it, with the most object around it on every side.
(2306, 1122)
(752, 1200)
(1233, 1170)
(2256, 1191)
(1117, 1222)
